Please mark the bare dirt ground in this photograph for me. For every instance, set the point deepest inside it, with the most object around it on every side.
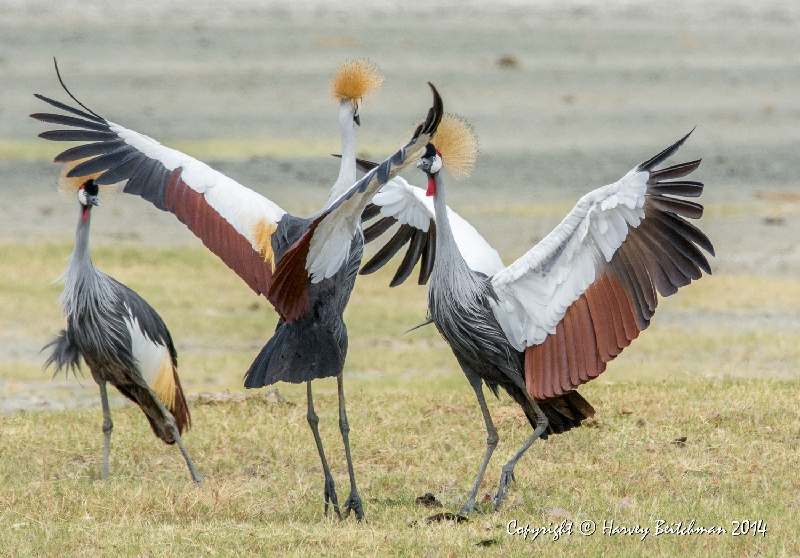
(565, 97)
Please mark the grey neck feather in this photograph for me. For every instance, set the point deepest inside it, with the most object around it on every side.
(347, 167)
(451, 274)
(83, 284)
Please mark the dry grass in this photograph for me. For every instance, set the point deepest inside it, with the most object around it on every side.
(262, 485)
(705, 370)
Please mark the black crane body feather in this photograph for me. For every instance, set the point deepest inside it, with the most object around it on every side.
(465, 319)
(314, 346)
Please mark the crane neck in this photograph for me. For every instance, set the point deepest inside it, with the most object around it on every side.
(80, 254)
(347, 167)
(82, 282)
(447, 252)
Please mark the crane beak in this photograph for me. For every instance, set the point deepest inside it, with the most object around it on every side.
(357, 119)
(425, 164)
(92, 200)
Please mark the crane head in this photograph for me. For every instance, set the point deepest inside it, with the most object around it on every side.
(453, 147)
(353, 81)
(88, 196)
(431, 164)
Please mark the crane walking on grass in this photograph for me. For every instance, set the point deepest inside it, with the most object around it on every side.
(306, 267)
(122, 340)
(553, 319)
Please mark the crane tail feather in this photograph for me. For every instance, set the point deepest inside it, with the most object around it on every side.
(297, 352)
(64, 354)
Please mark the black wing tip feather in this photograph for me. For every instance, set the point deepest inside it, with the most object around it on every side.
(378, 228)
(665, 154)
(89, 114)
(434, 115)
(64, 85)
(365, 166)
(370, 212)
(361, 164)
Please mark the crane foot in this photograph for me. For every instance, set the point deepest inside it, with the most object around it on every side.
(330, 496)
(353, 504)
(506, 477)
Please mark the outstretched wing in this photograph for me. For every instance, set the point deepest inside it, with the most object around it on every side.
(581, 295)
(234, 222)
(324, 247)
(400, 202)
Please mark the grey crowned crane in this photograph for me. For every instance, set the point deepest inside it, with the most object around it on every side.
(121, 339)
(306, 267)
(553, 319)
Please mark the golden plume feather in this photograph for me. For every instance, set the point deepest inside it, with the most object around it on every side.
(355, 79)
(71, 185)
(456, 141)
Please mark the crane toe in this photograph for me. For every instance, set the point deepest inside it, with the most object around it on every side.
(353, 504)
(506, 478)
(330, 496)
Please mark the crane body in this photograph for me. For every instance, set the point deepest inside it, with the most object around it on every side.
(122, 340)
(552, 320)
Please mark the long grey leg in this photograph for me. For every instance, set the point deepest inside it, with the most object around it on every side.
(313, 422)
(491, 439)
(507, 473)
(353, 502)
(108, 426)
(170, 421)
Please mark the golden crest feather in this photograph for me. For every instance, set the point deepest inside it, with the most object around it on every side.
(71, 185)
(355, 79)
(457, 143)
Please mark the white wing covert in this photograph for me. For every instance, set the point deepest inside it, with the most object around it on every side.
(580, 296)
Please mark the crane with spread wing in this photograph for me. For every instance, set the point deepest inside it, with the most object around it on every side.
(306, 267)
(552, 320)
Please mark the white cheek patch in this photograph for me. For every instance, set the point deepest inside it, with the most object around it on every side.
(82, 196)
(437, 164)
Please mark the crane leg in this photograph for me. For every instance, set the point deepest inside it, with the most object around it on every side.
(195, 475)
(507, 473)
(491, 440)
(353, 502)
(108, 426)
(313, 422)
(170, 422)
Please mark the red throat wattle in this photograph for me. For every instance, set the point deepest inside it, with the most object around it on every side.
(85, 212)
(431, 187)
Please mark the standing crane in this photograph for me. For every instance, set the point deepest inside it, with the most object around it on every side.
(553, 319)
(121, 338)
(319, 255)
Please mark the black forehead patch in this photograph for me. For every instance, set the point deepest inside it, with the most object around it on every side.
(430, 150)
(91, 188)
